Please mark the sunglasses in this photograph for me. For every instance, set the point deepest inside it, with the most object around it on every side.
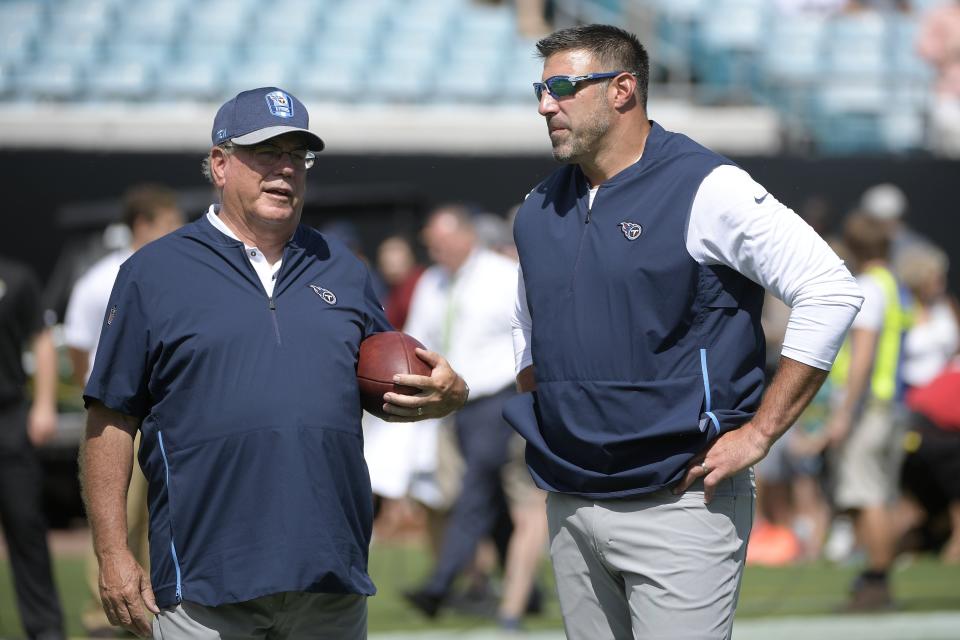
(562, 86)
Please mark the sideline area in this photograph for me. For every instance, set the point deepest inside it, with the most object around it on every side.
(893, 626)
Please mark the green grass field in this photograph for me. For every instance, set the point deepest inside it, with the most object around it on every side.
(816, 589)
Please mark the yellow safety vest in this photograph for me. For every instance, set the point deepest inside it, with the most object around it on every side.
(897, 318)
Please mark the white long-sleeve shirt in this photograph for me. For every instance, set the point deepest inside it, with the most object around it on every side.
(735, 222)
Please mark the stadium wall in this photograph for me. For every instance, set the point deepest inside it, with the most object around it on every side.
(381, 192)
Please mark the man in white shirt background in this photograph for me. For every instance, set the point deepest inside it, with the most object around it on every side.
(462, 307)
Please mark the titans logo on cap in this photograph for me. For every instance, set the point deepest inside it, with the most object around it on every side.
(279, 104)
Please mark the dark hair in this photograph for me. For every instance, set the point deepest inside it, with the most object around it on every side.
(144, 201)
(611, 46)
(866, 239)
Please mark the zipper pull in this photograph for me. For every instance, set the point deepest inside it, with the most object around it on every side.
(588, 216)
(273, 305)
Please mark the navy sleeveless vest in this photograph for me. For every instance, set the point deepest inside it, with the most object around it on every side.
(642, 355)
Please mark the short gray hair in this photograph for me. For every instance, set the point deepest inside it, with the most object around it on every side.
(228, 148)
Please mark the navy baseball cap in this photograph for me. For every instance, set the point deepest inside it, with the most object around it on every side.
(260, 114)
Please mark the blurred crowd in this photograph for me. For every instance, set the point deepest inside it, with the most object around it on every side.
(869, 473)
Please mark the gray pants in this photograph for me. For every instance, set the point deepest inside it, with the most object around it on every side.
(293, 616)
(656, 566)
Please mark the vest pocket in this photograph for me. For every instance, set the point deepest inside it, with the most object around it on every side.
(614, 427)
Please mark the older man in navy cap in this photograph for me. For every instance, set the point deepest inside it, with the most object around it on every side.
(231, 345)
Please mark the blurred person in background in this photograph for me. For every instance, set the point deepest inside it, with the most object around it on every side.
(929, 506)
(23, 427)
(931, 470)
(934, 335)
(887, 205)
(149, 212)
(938, 43)
(638, 344)
(866, 426)
(231, 344)
(462, 306)
(398, 266)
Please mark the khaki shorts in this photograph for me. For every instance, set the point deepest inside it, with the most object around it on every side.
(281, 616)
(517, 482)
(867, 465)
(657, 566)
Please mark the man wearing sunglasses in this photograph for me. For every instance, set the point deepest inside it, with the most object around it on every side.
(643, 266)
(231, 345)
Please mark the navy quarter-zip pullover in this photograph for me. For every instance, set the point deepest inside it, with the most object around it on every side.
(250, 413)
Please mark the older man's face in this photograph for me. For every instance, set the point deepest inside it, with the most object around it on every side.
(265, 191)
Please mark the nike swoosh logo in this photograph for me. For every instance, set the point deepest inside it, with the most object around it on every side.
(761, 198)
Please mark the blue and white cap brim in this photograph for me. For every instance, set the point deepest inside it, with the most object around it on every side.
(261, 135)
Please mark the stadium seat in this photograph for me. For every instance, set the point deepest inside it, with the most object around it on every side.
(333, 83)
(50, 81)
(848, 117)
(78, 48)
(521, 70)
(194, 80)
(467, 81)
(16, 47)
(151, 21)
(401, 83)
(121, 80)
(150, 53)
(83, 15)
(258, 73)
(903, 130)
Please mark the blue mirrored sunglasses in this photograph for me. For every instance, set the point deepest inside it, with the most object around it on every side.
(561, 86)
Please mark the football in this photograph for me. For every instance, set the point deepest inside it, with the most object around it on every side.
(382, 356)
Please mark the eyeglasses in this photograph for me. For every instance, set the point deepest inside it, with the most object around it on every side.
(268, 155)
(562, 86)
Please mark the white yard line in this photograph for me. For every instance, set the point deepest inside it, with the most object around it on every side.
(943, 625)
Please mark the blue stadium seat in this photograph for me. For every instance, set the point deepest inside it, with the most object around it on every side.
(83, 15)
(130, 81)
(279, 51)
(492, 23)
(402, 83)
(258, 74)
(346, 53)
(397, 52)
(467, 81)
(322, 83)
(219, 54)
(20, 17)
(50, 81)
(521, 70)
(6, 82)
(849, 116)
(78, 48)
(151, 21)
(16, 47)
(195, 80)
(150, 53)
(903, 131)
(294, 25)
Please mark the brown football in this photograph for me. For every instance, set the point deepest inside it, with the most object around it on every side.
(382, 356)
